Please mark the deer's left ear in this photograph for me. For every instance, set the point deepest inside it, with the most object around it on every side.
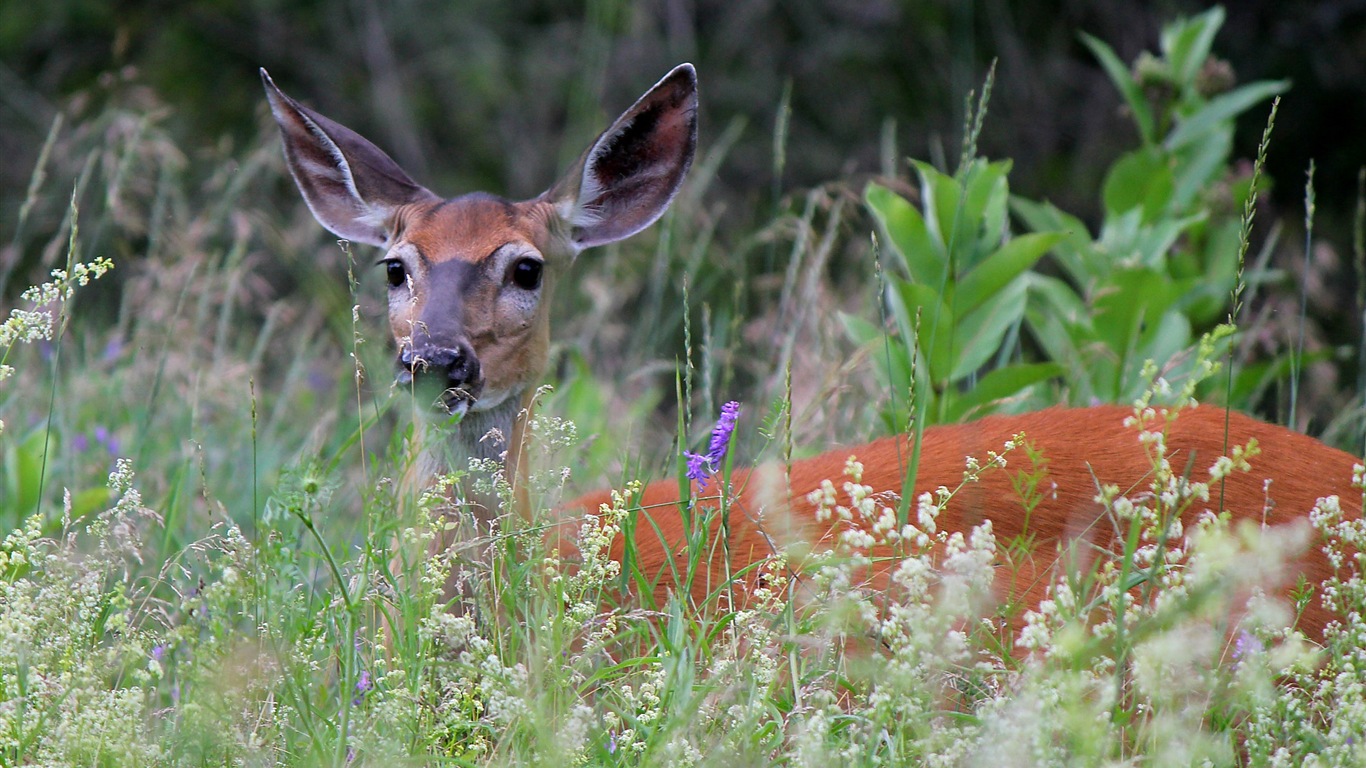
(628, 177)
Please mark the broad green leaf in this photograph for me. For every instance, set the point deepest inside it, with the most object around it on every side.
(858, 330)
(1142, 178)
(983, 207)
(978, 334)
(88, 502)
(939, 196)
(890, 357)
(1163, 340)
(1195, 126)
(23, 471)
(936, 324)
(1198, 165)
(905, 231)
(1000, 268)
(1153, 244)
(1119, 75)
(1187, 43)
(1131, 298)
(1061, 324)
(1001, 384)
(1072, 251)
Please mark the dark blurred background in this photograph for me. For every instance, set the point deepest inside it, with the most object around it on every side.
(500, 94)
(495, 93)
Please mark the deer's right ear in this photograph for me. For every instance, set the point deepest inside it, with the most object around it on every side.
(351, 186)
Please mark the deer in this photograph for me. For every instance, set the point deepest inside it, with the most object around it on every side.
(470, 280)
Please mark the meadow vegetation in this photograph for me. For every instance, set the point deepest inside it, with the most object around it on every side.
(210, 552)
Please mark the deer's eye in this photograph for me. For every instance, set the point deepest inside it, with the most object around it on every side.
(526, 274)
(395, 273)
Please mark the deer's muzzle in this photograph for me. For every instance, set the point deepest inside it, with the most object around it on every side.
(454, 369)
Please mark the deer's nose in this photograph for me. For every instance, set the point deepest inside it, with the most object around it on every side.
(453, 367)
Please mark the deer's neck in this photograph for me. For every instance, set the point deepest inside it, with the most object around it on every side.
(493, 438)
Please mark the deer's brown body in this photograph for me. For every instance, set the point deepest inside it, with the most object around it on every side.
(470, 279)
(1082, 447)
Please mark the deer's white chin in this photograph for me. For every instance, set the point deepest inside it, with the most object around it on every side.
(490, 399)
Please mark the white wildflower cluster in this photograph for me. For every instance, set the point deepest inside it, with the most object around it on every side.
(489, 479)
(1042, 623)
(445, 630)
(118, 530)
(751, 651)
(25, 326)
(66, 629)
(921, 618)
(642, 705)
(1318, 715)
(1161, 551)
(596, 568)
(28, 326)
(504, 688)
(549, 435)
(866, 518)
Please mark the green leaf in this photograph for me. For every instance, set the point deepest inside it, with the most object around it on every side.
(1153, 244)
(88, 502)
(983, 213)
(1001, 384)
(1074, 249)
(1061, 323)
(1163, 340)
(1000, 268)
(936, 337)
(1199, 165)
(1131, 299)
(1187, 44)
(23, 471)
(978, 334)
(939, 196)
(1119, 75)
(1220, 110)
(1141, 178)
(904, 228)
(858, 330)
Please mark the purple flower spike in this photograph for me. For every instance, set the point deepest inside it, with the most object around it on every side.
(697, 467)
(720, 434)
(702, 466)
(363, 686)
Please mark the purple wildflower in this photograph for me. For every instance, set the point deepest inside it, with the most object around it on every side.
(158, 652)
(700, 466)
(697, 467)
(720, 434)
(106, 438)
(363, 686)
(1247, 643)
(612, 742)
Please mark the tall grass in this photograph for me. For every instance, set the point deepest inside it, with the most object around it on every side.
(213, 552)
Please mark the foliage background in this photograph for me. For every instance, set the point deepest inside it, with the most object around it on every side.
(485, 94)
(499, 95)
(231, 603)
